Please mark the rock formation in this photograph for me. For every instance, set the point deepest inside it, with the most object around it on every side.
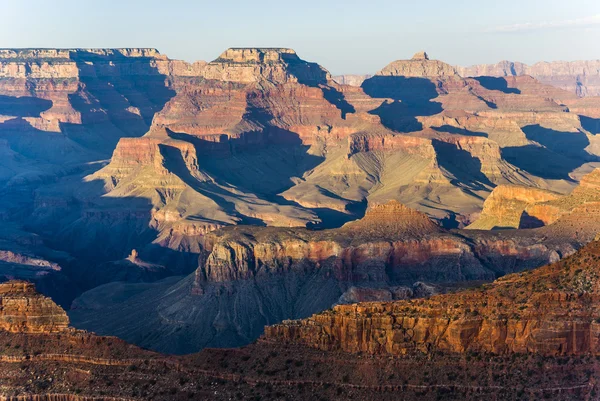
(23, 310)
(550, 311)
(519, 207)
(190, 146)
(252, 276)
(579, 77)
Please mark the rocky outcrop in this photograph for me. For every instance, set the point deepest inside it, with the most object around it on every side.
(275, 65)
(252, 276)
(23, 310)
(506, 205)
(520, 207)
(390, 143)
(549, 311)
(419, 66)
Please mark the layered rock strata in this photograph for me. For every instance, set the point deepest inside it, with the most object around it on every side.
(23, 310)
(550, 311)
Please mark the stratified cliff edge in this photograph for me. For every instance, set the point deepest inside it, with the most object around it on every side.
(526, 336)
(254, 276)
(552, 310)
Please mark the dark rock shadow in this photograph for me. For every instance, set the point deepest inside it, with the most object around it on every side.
(459, 131)
(497, 84)
(540, 161)
(465, 168)
(411, 97)
(590, 124)
(527, 221)
(559, 154)
(313, 75)
(176, 165)
(569, 144)
(125, 92)
(117, 97)
(265, 170)
(24, 106)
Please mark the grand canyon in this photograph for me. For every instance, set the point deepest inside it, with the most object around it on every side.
(255, 228)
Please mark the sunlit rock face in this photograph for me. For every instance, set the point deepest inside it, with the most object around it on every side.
(129, 149)
(547, 311)
(23, 310)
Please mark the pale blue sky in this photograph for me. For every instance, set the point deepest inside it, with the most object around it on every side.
(344, 36)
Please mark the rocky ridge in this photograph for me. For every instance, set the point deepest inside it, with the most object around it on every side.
(520, 207)
(279, 272)
(77, 366)
(548, 311)
(579, 77)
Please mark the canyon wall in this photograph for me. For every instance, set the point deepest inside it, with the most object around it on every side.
(550, 311)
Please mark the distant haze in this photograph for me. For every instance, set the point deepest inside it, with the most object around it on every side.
(344, 36)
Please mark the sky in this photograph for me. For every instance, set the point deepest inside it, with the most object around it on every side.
(346, 37)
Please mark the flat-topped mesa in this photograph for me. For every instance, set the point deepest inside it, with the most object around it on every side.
(419, 66)
(24, 310)
(66, 54)
(277, 65)
(392, 220)
(76, 63)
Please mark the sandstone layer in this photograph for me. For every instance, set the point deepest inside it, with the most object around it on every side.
(249, 277)
(72, 365)
(550, 311)
(23, 310)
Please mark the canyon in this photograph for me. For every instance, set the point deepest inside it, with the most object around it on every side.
(182, 205)
(531, 334)
(550, 311)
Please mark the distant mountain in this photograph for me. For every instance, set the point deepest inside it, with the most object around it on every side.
(579, 77)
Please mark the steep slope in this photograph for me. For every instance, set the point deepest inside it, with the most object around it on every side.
(550, 311)
(519, 207)
(254, 276)
(68, 364)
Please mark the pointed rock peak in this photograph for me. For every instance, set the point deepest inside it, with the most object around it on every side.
(419, 66)
(421, 56)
